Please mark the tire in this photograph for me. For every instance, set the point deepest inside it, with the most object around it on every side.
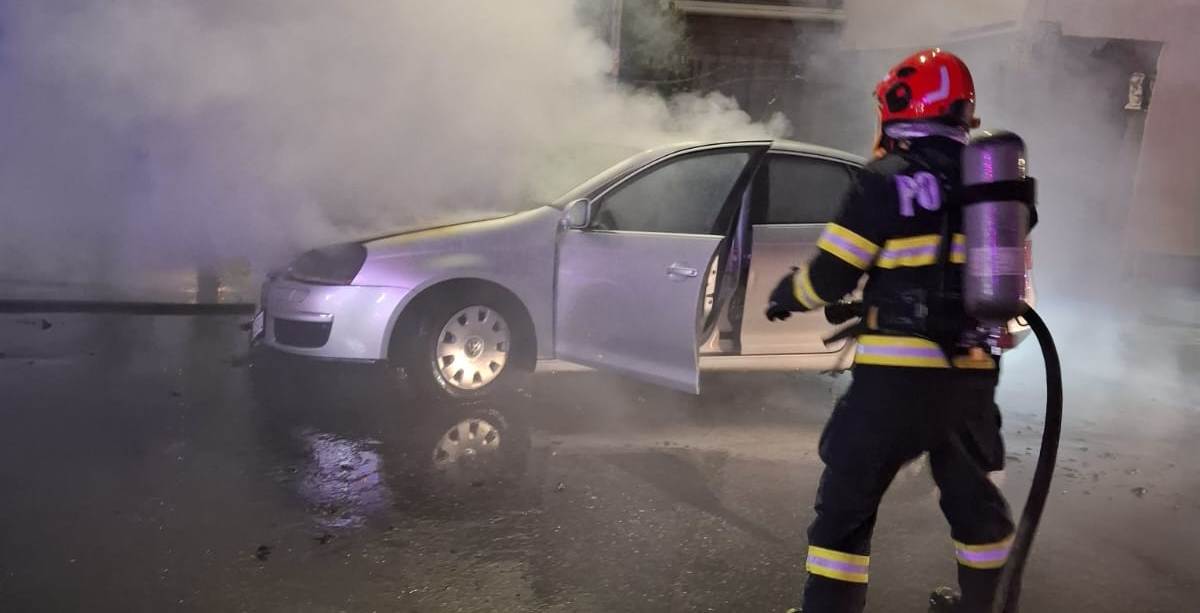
(467, 346)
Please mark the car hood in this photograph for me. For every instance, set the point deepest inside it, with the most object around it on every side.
(487, 249)
(445, 221)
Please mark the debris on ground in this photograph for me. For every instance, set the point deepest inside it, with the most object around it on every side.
(325, 539)
(560, 487)
(262, 553)
(1139, 491)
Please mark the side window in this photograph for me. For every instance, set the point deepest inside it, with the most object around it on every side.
(680, 196)
(805, 190)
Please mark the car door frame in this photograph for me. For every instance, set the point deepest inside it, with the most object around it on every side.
(726, 222)
(760, 209)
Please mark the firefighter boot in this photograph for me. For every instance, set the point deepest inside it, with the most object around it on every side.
(944, 600)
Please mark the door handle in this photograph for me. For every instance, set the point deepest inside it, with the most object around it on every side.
(680, 270)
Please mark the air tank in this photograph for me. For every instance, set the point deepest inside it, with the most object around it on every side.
(995, 227)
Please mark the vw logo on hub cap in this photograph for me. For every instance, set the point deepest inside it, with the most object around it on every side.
(474, 347)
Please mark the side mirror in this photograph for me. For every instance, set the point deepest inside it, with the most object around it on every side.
(578, 214)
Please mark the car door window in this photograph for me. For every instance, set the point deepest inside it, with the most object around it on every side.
(680, 196)
(805, 190)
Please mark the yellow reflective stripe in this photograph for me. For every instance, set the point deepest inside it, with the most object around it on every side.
(910, 242)
(986, 557)
(837, 565)
(840, 556)
(967, 362)
(874, 360)
(847, 246)
(1005, 544)
(880, 350)
(916, 251)
(840, 575)
(958, 255)
(896, 341)
(802, 289)
(887, 262)
(852, 236)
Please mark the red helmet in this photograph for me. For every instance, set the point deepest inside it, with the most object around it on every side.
(930, 84)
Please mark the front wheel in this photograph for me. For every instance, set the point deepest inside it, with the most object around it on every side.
(466, 349)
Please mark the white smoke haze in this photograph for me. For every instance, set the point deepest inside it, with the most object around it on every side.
(149, 134)
(1065, 96)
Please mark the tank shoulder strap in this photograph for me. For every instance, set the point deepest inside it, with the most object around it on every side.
(951, 220)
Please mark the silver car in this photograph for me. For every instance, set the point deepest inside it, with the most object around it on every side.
(657, 268)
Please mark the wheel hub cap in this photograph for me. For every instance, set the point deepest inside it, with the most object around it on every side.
(472, 348)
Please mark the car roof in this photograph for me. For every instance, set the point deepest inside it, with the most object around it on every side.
(780, 145)
(791, 146)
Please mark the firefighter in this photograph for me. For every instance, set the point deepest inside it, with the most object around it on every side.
(920, 383)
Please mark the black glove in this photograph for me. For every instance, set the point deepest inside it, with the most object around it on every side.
(841, 312)
(782, 302)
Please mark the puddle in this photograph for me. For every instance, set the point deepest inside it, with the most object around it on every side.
(344, 482)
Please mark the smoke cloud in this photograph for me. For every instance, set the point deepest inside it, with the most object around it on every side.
(1066, 96)
(147, 134)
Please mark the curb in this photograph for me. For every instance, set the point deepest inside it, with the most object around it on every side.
(125, 308)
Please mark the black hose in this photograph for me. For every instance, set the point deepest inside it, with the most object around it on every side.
(1009, 591)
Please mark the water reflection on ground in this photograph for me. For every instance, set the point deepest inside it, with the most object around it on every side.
(343, 481)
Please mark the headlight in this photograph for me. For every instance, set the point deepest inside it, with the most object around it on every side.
(333, 265)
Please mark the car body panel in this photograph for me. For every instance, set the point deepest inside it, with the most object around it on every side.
(516, 252)
(776, 249)
(607, 279)
(357, 315)
(633, 299)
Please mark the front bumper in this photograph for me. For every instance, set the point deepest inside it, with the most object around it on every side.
(341, 322)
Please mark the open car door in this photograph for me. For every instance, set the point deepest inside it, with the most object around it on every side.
(631, 281)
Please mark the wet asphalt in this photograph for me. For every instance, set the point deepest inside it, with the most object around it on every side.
(148, 464)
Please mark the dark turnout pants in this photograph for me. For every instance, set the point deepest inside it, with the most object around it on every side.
(890, 416)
